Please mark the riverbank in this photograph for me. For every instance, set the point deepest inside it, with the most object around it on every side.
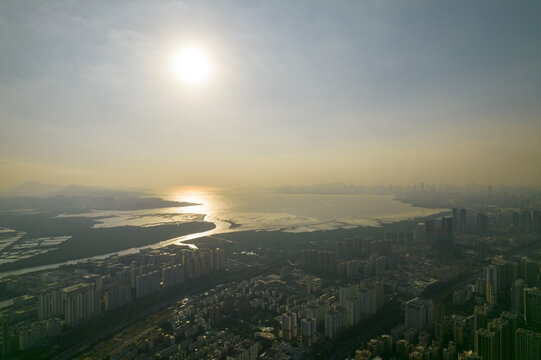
(254, 241)
(90, 242)
(98, 241)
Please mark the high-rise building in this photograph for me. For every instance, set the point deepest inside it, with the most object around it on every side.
(372, 297)
(482, 250)
(507, 274)
(418, 314)
(529, 270)
(375, 346)
(480, 286)
(402, 348)
(317, 260)
(218, 259)
(480, 318)
(411, 335)
(308, 331)
(172, 275)
(443, 242)
(490, 273)
(189, 264)
(430, 231)
(512, 320)
(515, 219)
(344, 249)
(486, 345)
(458, 332)
(526, 222)
(536, 221)
(50, 304)
(463, 221)
(449, 353)
(289, 325)
(147, 284)
(116, 297)
(44, 306)
(336, 321)
(532, 306)
(81, 301)
(517, 297)
(354, 306)
(499, 276)
(527, 345)
(455, 219)
(504, 338)
(387, 341)
(345, 292)
(381, 263)
(447, 226)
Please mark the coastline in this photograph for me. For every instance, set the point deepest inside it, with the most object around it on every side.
(422, 204)
(257, 238)
(96, 243)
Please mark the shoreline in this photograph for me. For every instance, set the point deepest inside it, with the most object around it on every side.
(421, 204)
(211, 229)
(167, 234)
(252, 240)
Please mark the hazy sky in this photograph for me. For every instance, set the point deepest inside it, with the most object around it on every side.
(300, 92)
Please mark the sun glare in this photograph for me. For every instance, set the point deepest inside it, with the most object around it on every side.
(192, 65)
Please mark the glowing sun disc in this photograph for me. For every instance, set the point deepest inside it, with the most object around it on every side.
(192, 65)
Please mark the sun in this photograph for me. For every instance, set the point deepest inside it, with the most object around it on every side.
(192, 65)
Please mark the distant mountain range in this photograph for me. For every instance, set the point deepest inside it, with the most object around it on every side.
(76, 198)
(36, 189)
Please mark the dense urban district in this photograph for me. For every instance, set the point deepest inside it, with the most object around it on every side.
(463, 284)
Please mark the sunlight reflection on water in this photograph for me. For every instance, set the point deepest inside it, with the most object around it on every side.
(265, 210)
(260, 210)
(236, 210)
